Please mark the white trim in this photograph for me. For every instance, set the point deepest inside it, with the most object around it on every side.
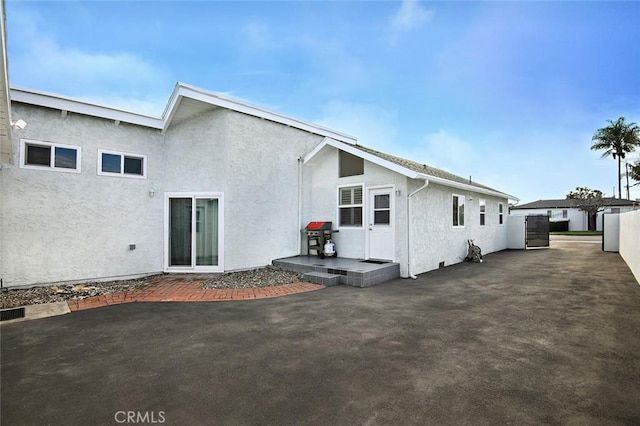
(51, 167)
(180, 91)
(64, 103)
(122, 173)
(194, 269)
(464, 211)
(338, 205)
(401, 169)
(392, 218)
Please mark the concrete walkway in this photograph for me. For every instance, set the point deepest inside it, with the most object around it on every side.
(527, 337)
(177, 288)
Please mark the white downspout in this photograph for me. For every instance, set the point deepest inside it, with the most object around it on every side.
(300, 161)
(426, 183)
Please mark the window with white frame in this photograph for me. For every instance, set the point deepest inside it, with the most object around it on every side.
(549, 213)
(565, 214)
(122, 164)
(458, 210)
(350, 206)
(49, 156)
(500, 213)
(483, 211)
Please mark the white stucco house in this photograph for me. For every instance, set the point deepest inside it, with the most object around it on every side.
(90, 192)
(566, 210)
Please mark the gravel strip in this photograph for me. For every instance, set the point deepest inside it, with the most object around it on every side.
(263, 277)
(11, 298)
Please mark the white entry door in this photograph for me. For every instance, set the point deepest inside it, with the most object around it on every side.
(381, 224)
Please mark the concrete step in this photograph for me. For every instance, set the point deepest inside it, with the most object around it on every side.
(322, 278)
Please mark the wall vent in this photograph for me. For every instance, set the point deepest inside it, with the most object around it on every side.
(9, 314)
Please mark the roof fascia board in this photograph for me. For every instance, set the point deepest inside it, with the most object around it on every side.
(467, 187)
(236, 105)
(63, 103)
(402, 170)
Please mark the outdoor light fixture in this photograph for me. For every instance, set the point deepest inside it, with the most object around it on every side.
(152, 192)
(398, 192)
(19, 125)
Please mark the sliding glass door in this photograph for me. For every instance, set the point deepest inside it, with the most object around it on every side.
(193, 232)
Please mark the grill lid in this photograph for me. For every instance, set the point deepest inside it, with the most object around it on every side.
(319, 226)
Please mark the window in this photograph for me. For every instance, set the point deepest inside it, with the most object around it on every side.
(382, 209)
(615, 209)
(500, 213)
(565, 214)
(122, 164)
(458, 210)
(549, 213)
(350, 206)
(483, 211)
(349, 164)
(49, 156)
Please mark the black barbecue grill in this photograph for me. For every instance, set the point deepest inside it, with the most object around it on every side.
(317, 235)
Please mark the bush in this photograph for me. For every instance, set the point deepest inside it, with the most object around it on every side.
(560, 226)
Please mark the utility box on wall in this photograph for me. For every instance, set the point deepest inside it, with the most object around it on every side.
(611, 232)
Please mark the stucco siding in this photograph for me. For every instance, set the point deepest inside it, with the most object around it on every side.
(59, 226)
(434, 239)
(261, 194)
(322, 180)
(629, 235)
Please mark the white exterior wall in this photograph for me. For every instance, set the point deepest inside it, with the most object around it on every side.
(320, 202)
(254, 163)
(59, 226)
(433, 237)
(629, 236)
(578, 220)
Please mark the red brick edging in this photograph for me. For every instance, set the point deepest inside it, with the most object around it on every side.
(189, 292)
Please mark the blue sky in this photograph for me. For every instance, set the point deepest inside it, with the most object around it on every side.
(509, 93)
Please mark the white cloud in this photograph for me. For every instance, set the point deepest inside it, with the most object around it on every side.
(410, 15)
(375, 127)
(39, 61)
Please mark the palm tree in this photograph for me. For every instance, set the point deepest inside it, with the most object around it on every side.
(617, 139)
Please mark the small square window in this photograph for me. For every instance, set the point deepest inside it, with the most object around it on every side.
(121, 164)
(350, 206)
(500, 213)
(111, 163)
(50, 156)
(483, 211)
(133, 165)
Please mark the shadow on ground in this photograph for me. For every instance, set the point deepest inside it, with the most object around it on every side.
(544, 336)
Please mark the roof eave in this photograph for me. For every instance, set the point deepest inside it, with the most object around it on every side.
(467, 187)
(183, 90)
(402, 170)
(63, 103)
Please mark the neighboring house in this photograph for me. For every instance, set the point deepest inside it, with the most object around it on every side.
(567, 210)
(213, 185)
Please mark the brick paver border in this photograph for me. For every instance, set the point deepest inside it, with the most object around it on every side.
(177, 290)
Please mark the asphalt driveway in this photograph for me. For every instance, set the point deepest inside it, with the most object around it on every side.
(542, 336)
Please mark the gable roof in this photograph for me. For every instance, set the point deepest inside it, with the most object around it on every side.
(408, 168)
(567, 203)
(185, 100)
